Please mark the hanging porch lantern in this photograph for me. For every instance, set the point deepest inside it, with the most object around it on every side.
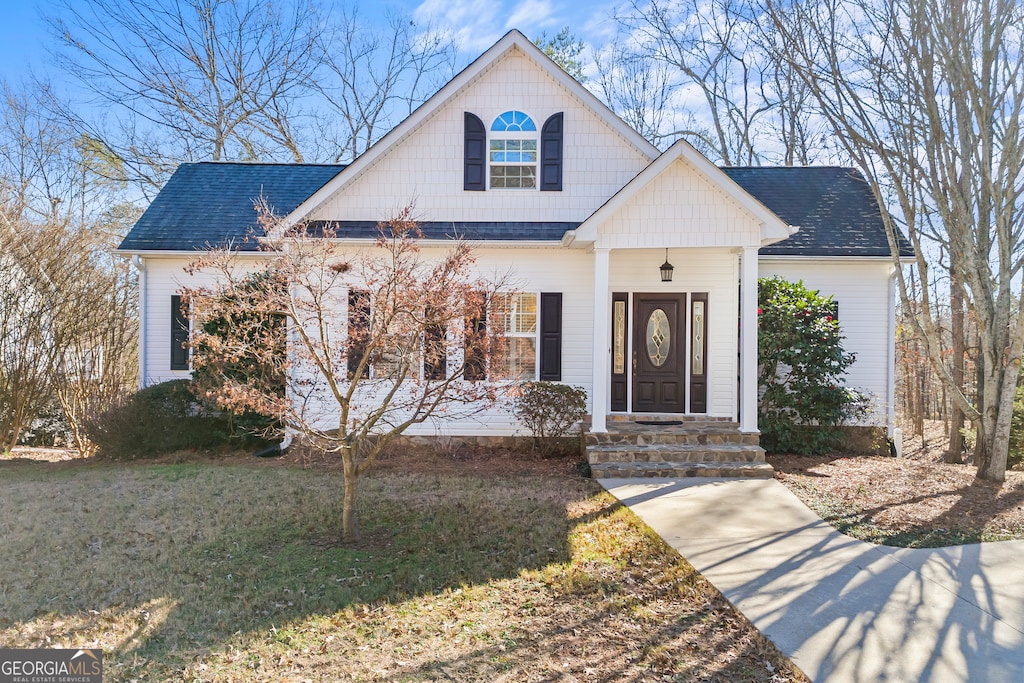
(666, 269)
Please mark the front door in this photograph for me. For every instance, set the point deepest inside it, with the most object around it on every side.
(659, 341)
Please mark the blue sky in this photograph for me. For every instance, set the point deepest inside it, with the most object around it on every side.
(477, 23)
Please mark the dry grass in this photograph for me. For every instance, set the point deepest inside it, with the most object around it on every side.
(916, 501)
(232, 573)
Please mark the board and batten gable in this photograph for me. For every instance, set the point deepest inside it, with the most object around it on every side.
(425, 168)
(862, 290)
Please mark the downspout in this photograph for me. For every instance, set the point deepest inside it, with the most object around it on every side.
(141, 267)
(277, 449)
(890, 360)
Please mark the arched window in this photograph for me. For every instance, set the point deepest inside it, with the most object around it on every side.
(513, 151)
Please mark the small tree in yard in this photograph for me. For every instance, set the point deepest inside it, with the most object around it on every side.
(801, 363)
(379, 339)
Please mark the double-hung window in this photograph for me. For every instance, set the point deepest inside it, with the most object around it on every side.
(512, 153)
(517, 314)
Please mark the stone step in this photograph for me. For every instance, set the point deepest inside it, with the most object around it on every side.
(619, 470)
(705, 435)
(617, 418)
(685, 453)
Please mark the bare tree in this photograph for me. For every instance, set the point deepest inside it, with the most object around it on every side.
(640, 89)
(926, 98)
(192, 79)
(378, 340)
(66, 304)
(372, 77)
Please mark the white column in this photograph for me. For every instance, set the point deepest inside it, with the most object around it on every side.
(748, 341)
(602, 335)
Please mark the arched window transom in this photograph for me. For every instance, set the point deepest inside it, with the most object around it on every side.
(513, 151)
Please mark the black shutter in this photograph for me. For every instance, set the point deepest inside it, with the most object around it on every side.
(551, 337)
(435, 354)
(474, 153)
(358, 328)
(475, 348)
(551, 154)
(179, 335)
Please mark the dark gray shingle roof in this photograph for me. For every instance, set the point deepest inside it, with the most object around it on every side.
(833, 207)
(212, 203)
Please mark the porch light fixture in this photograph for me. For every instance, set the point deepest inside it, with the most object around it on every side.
(666, 269)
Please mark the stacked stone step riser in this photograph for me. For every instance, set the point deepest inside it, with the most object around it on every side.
(663, 437)
(615, 471)
(693, 456)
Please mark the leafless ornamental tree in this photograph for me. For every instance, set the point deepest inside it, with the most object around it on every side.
(926, 98)
(378, 340)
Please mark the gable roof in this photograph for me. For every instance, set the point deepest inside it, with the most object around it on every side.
(513, 40)
(772, 227)
(213, 204)
(834, 208)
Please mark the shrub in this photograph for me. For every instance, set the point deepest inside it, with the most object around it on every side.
(159, 419)
(801, 364)
(550, 410)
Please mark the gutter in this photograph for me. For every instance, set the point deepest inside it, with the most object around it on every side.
(141, 267)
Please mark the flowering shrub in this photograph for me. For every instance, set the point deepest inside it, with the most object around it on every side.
(801, 363)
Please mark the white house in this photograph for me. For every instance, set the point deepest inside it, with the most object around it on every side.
(520, 158)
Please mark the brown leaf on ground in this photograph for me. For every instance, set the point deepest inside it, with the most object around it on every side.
(916, 500)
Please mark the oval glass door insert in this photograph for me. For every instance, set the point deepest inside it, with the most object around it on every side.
(659, 338)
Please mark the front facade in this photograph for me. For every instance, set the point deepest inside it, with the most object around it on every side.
(553, 188)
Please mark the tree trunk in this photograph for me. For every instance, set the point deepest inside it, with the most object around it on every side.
(955, 453)
(349, 526)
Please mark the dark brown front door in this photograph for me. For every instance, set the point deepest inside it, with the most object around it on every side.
(659, 335)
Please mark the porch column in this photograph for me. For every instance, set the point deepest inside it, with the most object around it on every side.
(748, 341)
(602, 334)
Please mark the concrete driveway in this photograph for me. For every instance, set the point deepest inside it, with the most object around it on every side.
(842, 609)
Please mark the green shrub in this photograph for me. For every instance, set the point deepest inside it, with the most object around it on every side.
(550, 411)
(160, 419)
(801, 364)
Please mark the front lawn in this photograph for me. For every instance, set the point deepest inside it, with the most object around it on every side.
(217, 572)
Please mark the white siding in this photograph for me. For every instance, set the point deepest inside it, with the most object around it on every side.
(679, 208)
(165, 277)
(715, 271)
(427, 166)
(862, 292)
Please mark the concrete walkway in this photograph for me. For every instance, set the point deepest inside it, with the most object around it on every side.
(841, 609)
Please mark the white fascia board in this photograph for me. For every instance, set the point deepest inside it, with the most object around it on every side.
(512, 39)
(834, 259)
(477, 244)
(182, 253)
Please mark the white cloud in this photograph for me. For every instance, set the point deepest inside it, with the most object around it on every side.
(530, 15)
(474, 23)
